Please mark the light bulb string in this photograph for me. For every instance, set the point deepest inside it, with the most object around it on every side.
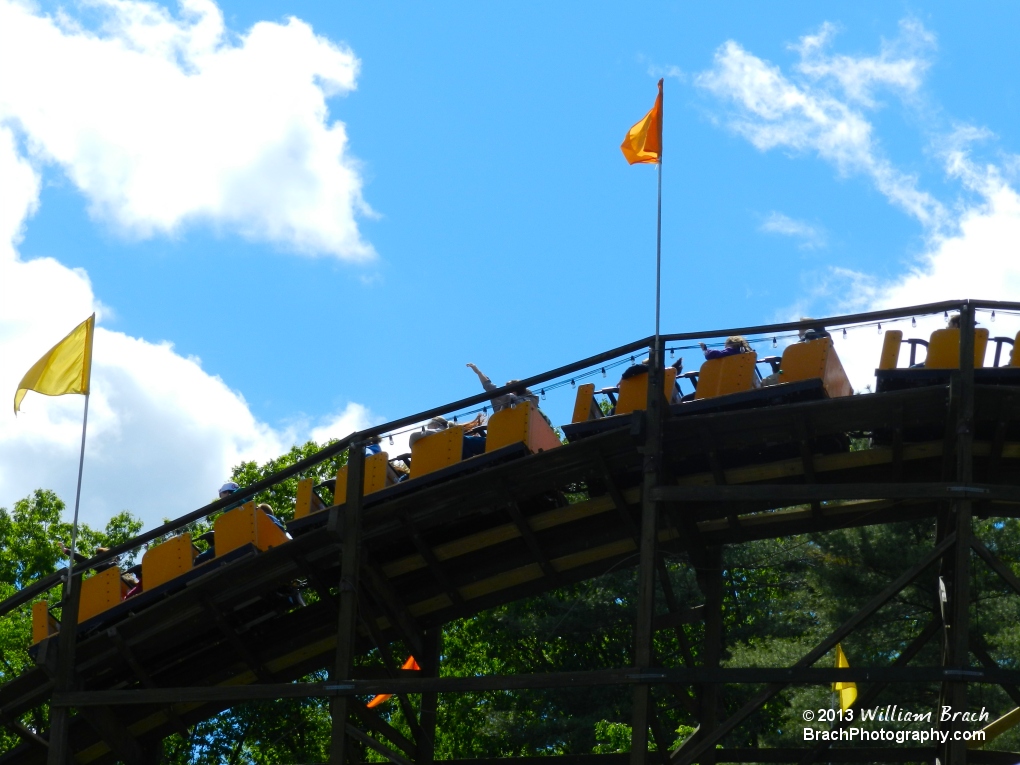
(576, 378)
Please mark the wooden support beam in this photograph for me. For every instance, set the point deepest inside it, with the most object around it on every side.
(371, 743)
(999, 440)
(24, 732)
(346, 631)
(1000, 568)
(782, 495)
(807, 459)
(688, 755)
(115, 734)
(375, 722)
(868, 697)
(783, 676)
(619, 501)
(652, 477)
(143, 677)
(683, 698)
(897, 444)
(675, 613)
(529, 538)
(719, 477)
(661, 738)
(678, 617)
(246, 654)
(958, 655)
(436, 569)
(430, 700)
(709, 576)
(906, 754)
(395, 609)
(370, 620)
(979, 648)
(59, 751)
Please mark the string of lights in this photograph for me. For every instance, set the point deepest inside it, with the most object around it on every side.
(633, 359)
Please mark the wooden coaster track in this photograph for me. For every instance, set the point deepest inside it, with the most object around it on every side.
(395, 566)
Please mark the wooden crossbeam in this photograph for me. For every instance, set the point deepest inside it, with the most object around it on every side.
(139, 672)
(395, 608)
(797, 493)
(530, 539)
(425, 551)
(371, 621)
(24, 731)
(980, 649)
(374, 721)
(696, 750)
(996, 565)
(590, 679)
(866, 698)
(243, 651)
(620, 503)
(382, 749)
(115, 734)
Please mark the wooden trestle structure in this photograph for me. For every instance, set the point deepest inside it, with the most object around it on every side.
(398, 567)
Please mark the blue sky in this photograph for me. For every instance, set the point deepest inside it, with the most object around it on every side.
(818, 158)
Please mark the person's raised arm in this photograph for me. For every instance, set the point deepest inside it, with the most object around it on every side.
(486, 382)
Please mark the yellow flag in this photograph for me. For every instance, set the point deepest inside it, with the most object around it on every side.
(643, 144)
(847, 691)
(66, 367)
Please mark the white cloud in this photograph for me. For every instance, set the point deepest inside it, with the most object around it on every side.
(970, 242)
(812, 237)
(163, 433)
(165, 121)
(774, 111)
(351, 418)
(900, 65)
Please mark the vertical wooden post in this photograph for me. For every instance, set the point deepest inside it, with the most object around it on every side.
(59, 752)
(957, 655)
(654, 411)
(710, 581)
(429, 701)
(347, 621)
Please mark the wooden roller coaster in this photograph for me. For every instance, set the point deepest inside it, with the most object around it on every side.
(392, 561)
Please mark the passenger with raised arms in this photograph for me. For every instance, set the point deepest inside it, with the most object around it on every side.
(734, 344)
(514, 397)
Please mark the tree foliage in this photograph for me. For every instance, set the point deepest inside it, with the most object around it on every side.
(32, 537)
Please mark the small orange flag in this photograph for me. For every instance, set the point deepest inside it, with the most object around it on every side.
(643, 144)
(382, 697)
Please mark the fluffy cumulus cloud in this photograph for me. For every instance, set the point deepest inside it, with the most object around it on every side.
(164, 120)
(823, 105)
(158, 121)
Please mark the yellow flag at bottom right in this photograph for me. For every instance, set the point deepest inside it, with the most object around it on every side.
(847, 691)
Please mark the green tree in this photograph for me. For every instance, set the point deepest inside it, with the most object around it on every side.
(32, 537)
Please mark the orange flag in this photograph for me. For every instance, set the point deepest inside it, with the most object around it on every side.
(643, 144)
(382, 697)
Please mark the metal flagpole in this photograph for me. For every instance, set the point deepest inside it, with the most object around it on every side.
(77, 495)
(658, 249)
(59, 748)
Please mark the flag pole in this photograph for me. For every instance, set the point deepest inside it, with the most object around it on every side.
(77, 497)
(658, 248)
